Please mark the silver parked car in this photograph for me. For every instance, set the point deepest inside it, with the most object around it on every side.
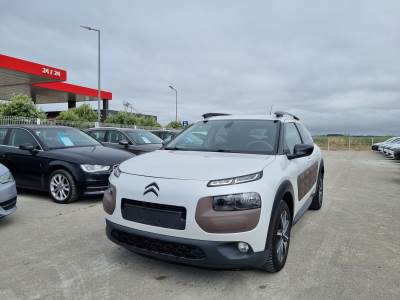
(8, 192)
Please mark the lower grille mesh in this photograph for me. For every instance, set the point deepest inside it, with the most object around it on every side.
(8, 204)
(158, 246)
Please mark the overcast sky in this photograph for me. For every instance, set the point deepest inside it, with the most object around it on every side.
(334, 63)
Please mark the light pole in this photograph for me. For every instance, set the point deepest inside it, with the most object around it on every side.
(176, 102)
(98, 73)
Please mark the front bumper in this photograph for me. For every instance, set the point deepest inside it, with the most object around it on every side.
(210, 254)
(8, 199)
(396, 154)
(8, 207)
(94, 184)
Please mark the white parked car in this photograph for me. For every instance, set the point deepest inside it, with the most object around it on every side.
(388, 142)
(223, 194)
(376, 145)
(8, 192)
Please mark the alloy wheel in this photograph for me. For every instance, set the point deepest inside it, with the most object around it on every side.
(60, 187)
(282, 236)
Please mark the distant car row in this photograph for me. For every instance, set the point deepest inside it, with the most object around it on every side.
(65, 161)
(390, 148)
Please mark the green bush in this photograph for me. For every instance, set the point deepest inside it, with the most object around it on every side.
(83, 113)
(126, 118)
(21, 106)
(174, 125)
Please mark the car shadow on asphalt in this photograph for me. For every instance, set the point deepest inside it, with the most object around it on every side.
(44, 196)
(165, 269)
(6, 221)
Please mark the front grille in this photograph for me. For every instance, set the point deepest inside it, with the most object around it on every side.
(157, 246)
(9, 204)
(155, 214)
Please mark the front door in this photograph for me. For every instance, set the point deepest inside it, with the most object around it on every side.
(26, 166)
(301, 169)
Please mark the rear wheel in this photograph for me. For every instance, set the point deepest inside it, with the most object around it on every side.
(62, 187)
(316, 203)
(278, 242)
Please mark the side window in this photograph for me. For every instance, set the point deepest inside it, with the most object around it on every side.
(99, 135)
(19, 137)
(292, 137)
(115, 136)
(3, 133)
(305, 135)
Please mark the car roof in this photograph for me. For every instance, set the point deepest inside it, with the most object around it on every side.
(254, 117)
(116, 128)
(28, 126)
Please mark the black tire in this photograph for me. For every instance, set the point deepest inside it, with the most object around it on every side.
(275, 262)
(68, 180)
(316, 203)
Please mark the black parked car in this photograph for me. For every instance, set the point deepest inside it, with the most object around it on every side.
(165, 135)
(136, 141)
(62, 160)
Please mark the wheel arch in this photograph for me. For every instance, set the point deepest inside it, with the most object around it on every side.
(59, 165)
(322, 167)
(285, 192)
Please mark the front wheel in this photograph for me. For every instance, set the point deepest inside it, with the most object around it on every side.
(316, 203)
(278, 242)
(62, 187)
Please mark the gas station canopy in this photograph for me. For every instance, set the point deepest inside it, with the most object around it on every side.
(45, 84)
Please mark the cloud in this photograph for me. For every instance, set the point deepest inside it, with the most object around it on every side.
(333, 63)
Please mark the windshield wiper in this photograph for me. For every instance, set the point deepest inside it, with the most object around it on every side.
(174, 148)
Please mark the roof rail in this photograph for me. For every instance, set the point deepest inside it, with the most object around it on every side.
(280, 114)
(209, 115)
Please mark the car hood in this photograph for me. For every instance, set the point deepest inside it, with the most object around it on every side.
(3, 169)
(96, 155)
(148, 147)
(195, 165)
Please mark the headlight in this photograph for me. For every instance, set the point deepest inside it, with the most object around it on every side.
(117, 171)
(237, 202)
(6, 177)
(95, 168)
(235, 180)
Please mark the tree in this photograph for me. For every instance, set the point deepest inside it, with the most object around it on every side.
(21, 106)
(174, 125)
(83, 113)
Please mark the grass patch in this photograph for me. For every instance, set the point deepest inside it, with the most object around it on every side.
(341, 142)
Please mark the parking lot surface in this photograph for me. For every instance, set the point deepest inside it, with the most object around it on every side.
(349, 249)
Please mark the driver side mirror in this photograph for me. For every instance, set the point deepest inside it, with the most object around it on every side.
(27, 147)
(124, 143)
(301, 150)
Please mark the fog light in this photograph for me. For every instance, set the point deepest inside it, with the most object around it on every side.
(243, 247)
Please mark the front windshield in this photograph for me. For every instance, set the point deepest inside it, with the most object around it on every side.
(62, 137)
(144, 137)
(236, 136)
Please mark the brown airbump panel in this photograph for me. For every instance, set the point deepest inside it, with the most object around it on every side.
(109, 199)
(225, 221)
(306, 180)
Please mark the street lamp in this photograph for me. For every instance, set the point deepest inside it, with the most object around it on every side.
(98, 74)
(176, 102)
